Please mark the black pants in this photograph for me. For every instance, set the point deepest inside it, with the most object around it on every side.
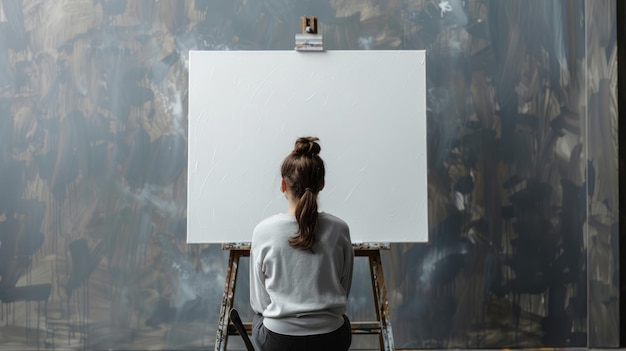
(266, 340)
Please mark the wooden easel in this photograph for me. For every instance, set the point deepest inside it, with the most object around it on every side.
(381, 327)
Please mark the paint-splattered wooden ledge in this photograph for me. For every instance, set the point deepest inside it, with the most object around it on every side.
(356, 246)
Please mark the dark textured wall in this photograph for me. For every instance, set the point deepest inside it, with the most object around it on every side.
(522, 150)
(621, 100)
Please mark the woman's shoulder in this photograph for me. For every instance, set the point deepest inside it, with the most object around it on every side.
(334, 230)
(279, 217)
(334, 224)
(272, 223)
(333, 219)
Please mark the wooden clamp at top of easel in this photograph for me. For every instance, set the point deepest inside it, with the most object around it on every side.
(308, 39)
(308, 25)
(380, 327)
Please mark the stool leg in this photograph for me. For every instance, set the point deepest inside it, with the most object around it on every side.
(221, 339)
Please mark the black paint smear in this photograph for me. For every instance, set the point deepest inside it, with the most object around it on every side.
(84, 262)
(134, 155)
(35, 292)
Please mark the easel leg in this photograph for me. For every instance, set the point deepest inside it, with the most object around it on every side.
(380, 301)
(227, 301)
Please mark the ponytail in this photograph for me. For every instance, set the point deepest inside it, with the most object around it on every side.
(306, 216)
(303, 172)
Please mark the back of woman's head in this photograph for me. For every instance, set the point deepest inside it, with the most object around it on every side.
(303, 172)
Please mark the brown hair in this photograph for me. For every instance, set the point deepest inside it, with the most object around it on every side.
(303, 172)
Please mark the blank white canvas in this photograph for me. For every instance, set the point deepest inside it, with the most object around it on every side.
(247, 108)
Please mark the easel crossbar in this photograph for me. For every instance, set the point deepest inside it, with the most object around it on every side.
(355, 246)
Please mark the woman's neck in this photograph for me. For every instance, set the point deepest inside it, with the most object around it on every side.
(292, 204)
(291, 209)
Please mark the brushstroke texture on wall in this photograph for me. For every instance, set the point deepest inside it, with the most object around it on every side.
(522, 176)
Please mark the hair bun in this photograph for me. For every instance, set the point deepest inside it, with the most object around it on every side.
(307, 146)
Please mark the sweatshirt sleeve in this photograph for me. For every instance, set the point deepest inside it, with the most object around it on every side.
(259, 298)
(346, 277)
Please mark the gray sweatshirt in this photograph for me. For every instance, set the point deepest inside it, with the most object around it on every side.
(300, 292)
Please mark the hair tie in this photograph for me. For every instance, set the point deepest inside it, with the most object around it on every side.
(308, 189)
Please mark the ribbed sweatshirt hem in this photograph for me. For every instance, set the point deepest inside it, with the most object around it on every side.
(306, 325)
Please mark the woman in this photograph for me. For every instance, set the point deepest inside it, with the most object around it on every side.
(301, 265)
